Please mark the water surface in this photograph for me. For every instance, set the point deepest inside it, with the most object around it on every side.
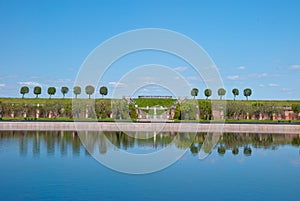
(55, 166)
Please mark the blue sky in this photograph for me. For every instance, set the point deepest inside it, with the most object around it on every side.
(254, 44)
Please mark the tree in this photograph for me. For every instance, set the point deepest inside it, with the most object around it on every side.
(89, 90)
(235, 92)
(207, 93)
(235, 151)
(76, 91)
(24, 90)
(37, 91)
(194, 92)
(247, 92)
(103, 91)
(247, 151)
(194, 149)
(51, 91)
(221, 150)
(221, 92)
(296, 108)
(64, 91)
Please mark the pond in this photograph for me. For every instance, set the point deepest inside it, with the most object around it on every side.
(56, 166)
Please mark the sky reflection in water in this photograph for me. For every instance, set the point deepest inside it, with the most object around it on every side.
(55, 165)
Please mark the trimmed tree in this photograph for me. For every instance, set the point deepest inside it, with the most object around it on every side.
(221, 92)
(64, 91)
(207, 93)
(247, 92)
(235, 92)
(77, 90)
(24, 90)
(194, 92)
(51, 91)
(89, 90)
(103, 91)
(37, 91)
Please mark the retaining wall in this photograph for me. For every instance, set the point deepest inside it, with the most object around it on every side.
(150, 127)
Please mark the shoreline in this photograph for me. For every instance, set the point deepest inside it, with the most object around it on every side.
(152, 127)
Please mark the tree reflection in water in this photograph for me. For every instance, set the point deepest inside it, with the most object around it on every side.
(65, 142)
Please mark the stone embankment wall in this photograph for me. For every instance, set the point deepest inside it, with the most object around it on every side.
(151, 127)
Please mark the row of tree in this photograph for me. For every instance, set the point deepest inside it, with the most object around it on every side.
(89, 90)
(221, 92)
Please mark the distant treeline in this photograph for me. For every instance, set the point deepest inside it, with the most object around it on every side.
(16, 108)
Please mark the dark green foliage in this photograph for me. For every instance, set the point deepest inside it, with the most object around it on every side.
(103, 109)
(194, 92)
(24, 90)
(64, 91)
(221, 150)
(103, 91)
(247, 151)
(235, 92)
(207, 93)
(189, 110)
(77, 91)
(296, 108)
(51, 91)
(221, 92)
(177, 114)
(194, 149)
(235, 151)
(296, 141)
(37, 91)
(247, 92)
(144, 102)
(132, 111)
(120, 109)
(205, 109)
(89, 90)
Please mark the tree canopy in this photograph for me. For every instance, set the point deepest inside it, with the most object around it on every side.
(51, 91)
(194, 92)
(103, 91)
(77, 90)
(24, 90)
(247, 92)
(89, 90)
(37, 91)
(235, 92)
(221, 92)
(64, 91)
(207, 93)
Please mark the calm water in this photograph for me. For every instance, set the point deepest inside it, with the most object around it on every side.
(55, 166)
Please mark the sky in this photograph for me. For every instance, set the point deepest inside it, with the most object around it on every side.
(253, 44)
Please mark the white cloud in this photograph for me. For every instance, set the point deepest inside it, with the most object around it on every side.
(233, 77)
(261, 85)
(30, 83)
(262, 75)
(286, 89)
(2, 85)
(241, 68)
(294, 67)
(180, 68)
(273, 85)
(67, 80)
(116, 84)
